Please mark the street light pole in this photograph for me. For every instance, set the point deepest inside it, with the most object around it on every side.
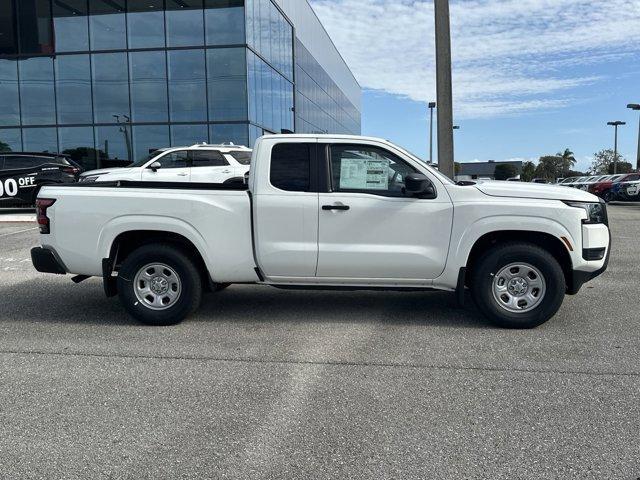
(432, 105)
(615, 144)
(443, 87)
(636, 107)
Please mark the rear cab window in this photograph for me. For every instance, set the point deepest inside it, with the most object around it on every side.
(291, 167)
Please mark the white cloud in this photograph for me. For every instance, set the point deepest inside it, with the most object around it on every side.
(510, 56)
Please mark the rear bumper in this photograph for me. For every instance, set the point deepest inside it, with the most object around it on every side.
(45, 261)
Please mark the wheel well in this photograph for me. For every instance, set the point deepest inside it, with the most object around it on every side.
(546, 241)
(125, 243)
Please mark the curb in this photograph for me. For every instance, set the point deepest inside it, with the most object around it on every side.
(18, 218)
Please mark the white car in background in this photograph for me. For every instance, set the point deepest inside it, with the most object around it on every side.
(199, 163)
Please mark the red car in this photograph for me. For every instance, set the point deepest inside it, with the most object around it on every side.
(603, 187)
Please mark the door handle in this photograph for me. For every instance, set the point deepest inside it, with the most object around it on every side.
(183, 174)
(226, 171)
(336, 207)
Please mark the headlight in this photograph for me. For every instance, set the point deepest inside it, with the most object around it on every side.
(89, 179)
(596, 212)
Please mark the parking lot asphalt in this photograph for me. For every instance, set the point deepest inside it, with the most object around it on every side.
(263, 383)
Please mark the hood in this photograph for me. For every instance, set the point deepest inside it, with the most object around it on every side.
(104, 171)
(534, 190)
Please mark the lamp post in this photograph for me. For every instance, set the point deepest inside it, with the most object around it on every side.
(432, 105)
(636, 107)
(615, 144)
(443, 87)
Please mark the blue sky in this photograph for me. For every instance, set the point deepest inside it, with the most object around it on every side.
(531, 77)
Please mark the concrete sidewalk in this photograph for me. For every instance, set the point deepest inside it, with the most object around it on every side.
(18, 218)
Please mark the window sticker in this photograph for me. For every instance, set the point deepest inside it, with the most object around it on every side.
(364, 174)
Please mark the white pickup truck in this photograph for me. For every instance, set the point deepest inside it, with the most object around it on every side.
(327, 211)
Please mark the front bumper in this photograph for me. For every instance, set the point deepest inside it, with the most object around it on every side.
(580, 277)
(45, 261)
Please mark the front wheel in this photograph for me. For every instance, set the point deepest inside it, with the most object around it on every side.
(608, 196)
(518, 285)
(159, 285)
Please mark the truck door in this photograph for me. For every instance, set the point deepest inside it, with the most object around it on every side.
(369, 228)
(286, 210)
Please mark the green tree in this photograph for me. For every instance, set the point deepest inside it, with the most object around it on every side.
(457, 168)
(568, 161)
(550, 167)
(4, 147)
(528, 171)
(623, 167)
(504, 171)
(603, 162)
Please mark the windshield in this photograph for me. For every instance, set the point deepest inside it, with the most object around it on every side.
(241, 156)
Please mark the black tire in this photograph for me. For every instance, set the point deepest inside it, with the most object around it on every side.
(190, 293)
(485, 270)
(608, 196)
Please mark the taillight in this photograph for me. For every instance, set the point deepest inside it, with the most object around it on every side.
(41, 214)
(71, 170)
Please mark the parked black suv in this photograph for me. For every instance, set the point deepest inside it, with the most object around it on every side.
(22, 175)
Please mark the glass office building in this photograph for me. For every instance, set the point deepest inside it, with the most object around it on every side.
(110, 80)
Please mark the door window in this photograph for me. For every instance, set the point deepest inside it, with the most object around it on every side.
(210, 158)
(291, 167)
(368, 169)
(179, 159)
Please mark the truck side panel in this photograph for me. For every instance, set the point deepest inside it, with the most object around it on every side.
(86, 221)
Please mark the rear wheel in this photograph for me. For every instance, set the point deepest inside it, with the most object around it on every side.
(518, 285)
(159, 285)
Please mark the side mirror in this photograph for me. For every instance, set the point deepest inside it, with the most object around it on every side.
(419, 185)
(155, 166)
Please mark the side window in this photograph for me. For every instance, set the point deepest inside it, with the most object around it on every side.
(15, 162)
(179, 159)
(632, 178)
(362, 168)
(291, 167)
(210, 158)
(1, 162)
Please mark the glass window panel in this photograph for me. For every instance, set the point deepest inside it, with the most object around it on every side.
(254, 133)
(107, 27)
(112, 141)
(145, 23)
(36, 32)
(187, 86)
(37, 95)
(225, 22)
(233, 133)
(250, 21)
(71, 25)
(265, 28)
(8, 43)
(186, 135)
(110, 86)
(10, 140)
(73, 89)
(209, 158)
(227, 84)
(251, 85)
(148, 138)
(9, 101)
(77, 142)
(257, 40)
(185, 27)
(148, 86)
(40, 140)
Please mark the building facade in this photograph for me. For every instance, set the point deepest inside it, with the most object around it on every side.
(110, 80)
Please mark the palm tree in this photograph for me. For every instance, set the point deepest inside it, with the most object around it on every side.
(568, 161)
